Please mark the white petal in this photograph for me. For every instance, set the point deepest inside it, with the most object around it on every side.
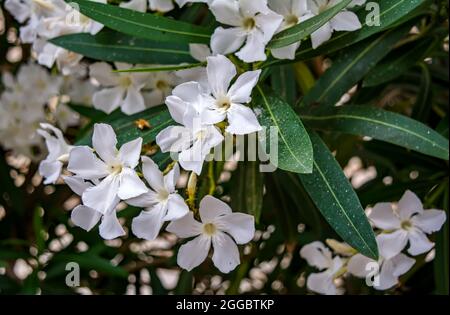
(146, 200)
(241, 90)
(409, 205)
(171, 179)
(108, 100)
(254, 48)
(345, 21)
(402, 264)
(387, 279)
(133, 102)
(220, 73)
(77, 184)
(103, 73)
(242, 120)
(299, 7)
(240, 226)
(185, 227)
(317, 255)
(287, 52)
(321, 283)
(192, 159)
(103, 196)
(391, 244)
(85, 217)
(174, 139)
(251, 7)
(136, 5)
(176, 208)
(104, 142)
(269, 24)
(19, 9)
(193, 253)
(383, 217)
(199, 51)
(84, 163)
(130, 185)
(430, 221)
(152, 174)
(226, 253)
(148, 224)
(281, 7)
(418, 243)
(321, 35)
(161, 5)
(50, 170)
(226, 41)
(226, 12)
(358, 265)
(110, 227)
(212, 208)
(130, 152)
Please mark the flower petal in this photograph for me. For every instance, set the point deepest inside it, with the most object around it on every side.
(345, 21)
(130, 185)
(402, 264)
(430, 221)
(226, 41)
(287, 52)
(226, 12)
(110, 227)
(241, 90)
(171, 179)
(226, 253)
(133, 102)
(242, 120)
(85, 217)
(108, 100)
(148, 224)
(240, 226)
(269, 23)
(130, 152)
(321, 35)
(212, 208)
(418, 243)
(174, 139)
(176, 208)
(152, 174)
(77, 184)
(383, 217)
(194, 252)
(409, 205)
(50, 170)
(317, 255)
(103, 73)
(146, 200)
(103, 196)
(185, 227)
(358, 265)
(104, 142)
(391, 244)
(136, 5)
(254, 48)
(322, 283)
(84, 163)
(220, 73)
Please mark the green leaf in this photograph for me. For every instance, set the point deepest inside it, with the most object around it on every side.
(164, 68)
(295, 152)
(302, 30)
(337, 201)
(283, 82)
(398, 62)
(144, 25)
(442, 261)
(381, 125)
(351, 67)
(247, 188)
(424, 100)
(117, 47)
(391, 12)
(126, 129)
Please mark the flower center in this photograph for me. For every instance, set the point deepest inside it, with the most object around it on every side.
(209, 229)
(163, 196)
(125, 81)
(162, 85)
(44, 4)
(115, 169)
(223, 103)
(291, 20)
(406, 225)
(201, 134)
(249, 23)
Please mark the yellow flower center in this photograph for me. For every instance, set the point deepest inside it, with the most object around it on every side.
(249, 23)
(406, 225)
(209, 229)
(291, 20)
(115, 168)
(162, 85)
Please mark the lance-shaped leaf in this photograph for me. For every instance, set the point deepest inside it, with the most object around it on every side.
(145, 25)
(113, 46)
(151, 121)
(295, 152)
(283, 82)
(381, 125)
(350, 68)
(303, 30)
(337, 201)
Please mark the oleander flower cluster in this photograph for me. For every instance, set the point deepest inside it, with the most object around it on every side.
(401, 225)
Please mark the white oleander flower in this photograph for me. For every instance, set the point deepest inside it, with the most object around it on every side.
(161, 5)
(194, 139)
(181, 3)
(227, 101)
(114, 169)
(343, 21)
(409, 222)
(58, 153)
(87, 218)
(80, 91)
(293, 12)
(253, 23)
(65, 117)
(48, 54)
(389, 270)
(135, 5)
(161, 85)
(220, 227)
(162, 203)
(319, 256)
(120, 89)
